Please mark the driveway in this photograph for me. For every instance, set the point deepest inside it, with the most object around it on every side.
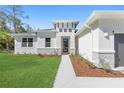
(66, 78)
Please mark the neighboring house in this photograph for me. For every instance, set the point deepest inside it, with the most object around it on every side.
(60, 40)
(101, 39)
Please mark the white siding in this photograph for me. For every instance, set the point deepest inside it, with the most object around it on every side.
(85, 45)
(95, 34)
(28, 50)
(41, 42)
(107, 26)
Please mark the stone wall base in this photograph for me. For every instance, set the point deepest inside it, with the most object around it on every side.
(103, 59)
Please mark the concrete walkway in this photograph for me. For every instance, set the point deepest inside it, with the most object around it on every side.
(65, 73)
(66, 78)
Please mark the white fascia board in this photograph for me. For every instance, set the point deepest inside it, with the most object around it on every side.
(92, 18)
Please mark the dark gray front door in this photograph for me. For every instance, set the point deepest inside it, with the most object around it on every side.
(119, 48)
(65, 45)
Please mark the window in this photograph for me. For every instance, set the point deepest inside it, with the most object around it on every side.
(72, 25)
(47, 42)
(60, 30)
(27, 42)
(62, 25)
(67, 25)
(65, 30)
(70, 30)
(24, 42)
(30, 42)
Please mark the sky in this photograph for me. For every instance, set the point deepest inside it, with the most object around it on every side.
(41, 16)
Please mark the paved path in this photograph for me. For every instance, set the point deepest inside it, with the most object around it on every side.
(66, 78)
(65, 73)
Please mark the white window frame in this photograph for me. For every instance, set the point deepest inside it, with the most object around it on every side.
(27, 42)
(47, 42)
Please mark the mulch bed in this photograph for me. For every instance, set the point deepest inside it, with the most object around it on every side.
(84, 68)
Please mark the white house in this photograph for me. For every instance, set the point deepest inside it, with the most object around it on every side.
(59, 40)
(101, 39)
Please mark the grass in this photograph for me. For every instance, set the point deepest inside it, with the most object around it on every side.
(27, 71)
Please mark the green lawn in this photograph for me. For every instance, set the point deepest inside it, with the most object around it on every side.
(25, 71)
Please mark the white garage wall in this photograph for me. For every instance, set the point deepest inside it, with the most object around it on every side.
(107, 26)
(85, 45)
(105, 52)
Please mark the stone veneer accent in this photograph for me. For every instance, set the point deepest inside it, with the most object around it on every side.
(49, 51)
(107, 58)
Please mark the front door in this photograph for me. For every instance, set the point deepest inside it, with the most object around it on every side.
(65, 45)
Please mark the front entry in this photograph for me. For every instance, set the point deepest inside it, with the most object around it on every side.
(65, 45)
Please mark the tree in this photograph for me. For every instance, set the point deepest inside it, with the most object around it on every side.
(11, 18)
(3, 22)
(5, 39)
(15, 14)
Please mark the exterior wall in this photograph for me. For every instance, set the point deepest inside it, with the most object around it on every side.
(41, 39)
(65, 24)
(49, 51)
(110, 25)
(103, 46)
(105, 51)
(41, 49)
(85, 45)
(72, 40)
(22, 50)
(95, 46)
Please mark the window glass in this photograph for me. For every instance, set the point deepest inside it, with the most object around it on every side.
(72, 25)
(47, 42)
(47, 39)
(30, 39)
(24, 39)
(70, 30)
(27, 42)
(24, 42)
(60, 30)
(30, 42)
(65, 30)
(67, 25)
